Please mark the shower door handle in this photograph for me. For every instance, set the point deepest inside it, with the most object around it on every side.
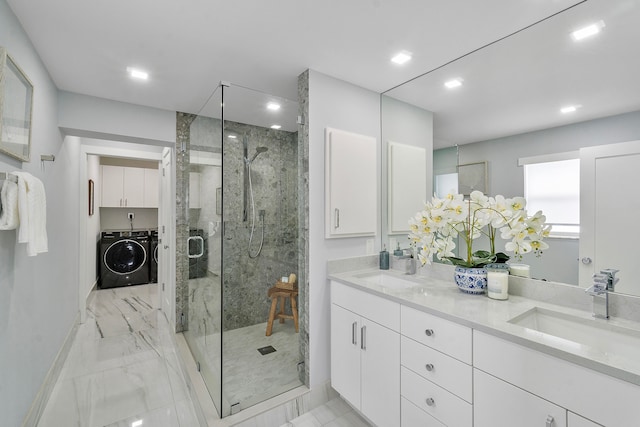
(197, 239)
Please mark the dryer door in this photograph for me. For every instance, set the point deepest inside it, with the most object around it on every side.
(125, 257)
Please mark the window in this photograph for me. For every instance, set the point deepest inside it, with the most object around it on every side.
(552, 185)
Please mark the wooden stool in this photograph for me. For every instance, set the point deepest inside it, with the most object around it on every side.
(281, 294)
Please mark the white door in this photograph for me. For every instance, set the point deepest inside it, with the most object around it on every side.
(608, 209)
(166, 260)
(380, 374)
(345, 354)
(112, 186)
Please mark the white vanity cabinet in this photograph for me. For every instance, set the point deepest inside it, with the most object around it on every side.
(588, 395)
(128, 187)
(500, 404)
(436, 372)
(365, 353)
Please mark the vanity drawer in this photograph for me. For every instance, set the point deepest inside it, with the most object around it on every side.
(444, 406)
(443, 335)
(380, 310)
(412, 416)
(437, 367)
(604, 399)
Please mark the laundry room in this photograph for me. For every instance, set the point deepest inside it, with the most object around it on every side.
(128, 200)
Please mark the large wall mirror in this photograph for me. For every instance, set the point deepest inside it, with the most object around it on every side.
(509, 108)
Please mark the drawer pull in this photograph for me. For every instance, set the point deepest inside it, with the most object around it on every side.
(431, 402)
(429, 332)
(549, 421)
(429, 367)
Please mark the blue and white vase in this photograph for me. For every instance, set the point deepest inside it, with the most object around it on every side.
(471, 280)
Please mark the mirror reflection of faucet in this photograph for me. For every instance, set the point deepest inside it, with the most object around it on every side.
(603, 283)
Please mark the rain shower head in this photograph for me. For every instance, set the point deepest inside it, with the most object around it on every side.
(258, 151)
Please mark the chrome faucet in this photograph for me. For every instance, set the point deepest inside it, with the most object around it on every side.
(603, 283)
(411, 261)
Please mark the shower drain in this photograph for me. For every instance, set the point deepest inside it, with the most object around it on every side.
(266, 350)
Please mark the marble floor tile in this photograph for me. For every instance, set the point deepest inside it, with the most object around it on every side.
(334, 413)
(161, 417)
(122, 369)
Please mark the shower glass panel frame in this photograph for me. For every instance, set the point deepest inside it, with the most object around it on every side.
(243, 218)
(202, 255)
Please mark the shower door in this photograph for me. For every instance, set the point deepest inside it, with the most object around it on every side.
(240, 183)
(201, 179)
(260, 245)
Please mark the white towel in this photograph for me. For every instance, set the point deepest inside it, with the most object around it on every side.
(32, 210)
(9, 199)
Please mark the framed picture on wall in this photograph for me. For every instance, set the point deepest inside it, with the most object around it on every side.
(91, 197)
(16, 98)
(471, 177)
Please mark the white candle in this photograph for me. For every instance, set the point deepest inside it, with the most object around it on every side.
(498, 284)
(522, 270)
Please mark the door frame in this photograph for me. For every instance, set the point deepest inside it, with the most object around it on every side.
(112, 149)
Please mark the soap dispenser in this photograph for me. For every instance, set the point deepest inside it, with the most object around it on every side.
(384, 258)
(398, 251)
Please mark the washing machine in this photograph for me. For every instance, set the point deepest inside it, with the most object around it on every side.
(153, 262)
(124, 258)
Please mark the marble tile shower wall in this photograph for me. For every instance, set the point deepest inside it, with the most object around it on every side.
(183, 136)
(274, 176)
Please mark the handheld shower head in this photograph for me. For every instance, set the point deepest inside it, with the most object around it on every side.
(258, 151)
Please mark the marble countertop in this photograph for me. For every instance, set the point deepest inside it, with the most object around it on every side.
(441, 297)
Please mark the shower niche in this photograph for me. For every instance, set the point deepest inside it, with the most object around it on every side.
(244, 152)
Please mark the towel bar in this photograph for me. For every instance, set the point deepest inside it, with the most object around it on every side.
(7, 175)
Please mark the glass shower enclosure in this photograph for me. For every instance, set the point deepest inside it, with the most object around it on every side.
(237, 194)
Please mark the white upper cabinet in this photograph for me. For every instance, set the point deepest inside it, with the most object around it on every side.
(151, 188)
(129, 187)
(351, 184)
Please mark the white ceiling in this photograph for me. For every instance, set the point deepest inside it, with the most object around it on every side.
(188, 46)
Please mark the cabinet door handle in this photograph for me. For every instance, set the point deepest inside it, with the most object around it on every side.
(363, 338)
(126, 202)
(550, 421)
(120, 202)
(428, 332)
(337, 215)
(429, 367)
(431, 402)
(354, 334)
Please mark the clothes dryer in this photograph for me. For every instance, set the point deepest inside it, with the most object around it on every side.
(124, 258)
(153, 262)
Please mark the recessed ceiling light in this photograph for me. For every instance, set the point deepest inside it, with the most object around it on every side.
(588, 31)
(454, 83)
(136, 423)
(273, 106)
(232, 136)
(137, 73)
(569, 109)
(275, 126)
(402, 57)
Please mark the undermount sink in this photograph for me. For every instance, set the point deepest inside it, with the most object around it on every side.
(595, 333)
(387, 280)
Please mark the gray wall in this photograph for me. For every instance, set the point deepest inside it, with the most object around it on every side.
(341, 105)
(560, 261)
(38, 295)
(274, 177)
